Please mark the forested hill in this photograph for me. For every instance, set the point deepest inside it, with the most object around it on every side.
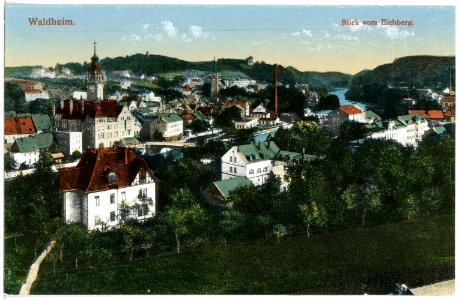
(157, 64)
(411, 71)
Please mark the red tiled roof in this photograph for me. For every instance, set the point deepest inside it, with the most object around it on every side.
(205, 110)
(450, 112)
(102, 108)
(428, 114)
(449, 98)
(187, 117)
(33, 91)
(91, 173)
(186, 88)
(350, 109)
(19, 125)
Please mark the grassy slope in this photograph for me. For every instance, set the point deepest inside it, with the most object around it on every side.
(331, 263)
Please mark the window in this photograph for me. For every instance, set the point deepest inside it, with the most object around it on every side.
(96, 220)
(112, 216)
(251, 171)
(123, 196)
(112, 198)
(258, 170)
(142, 176)
(143, 193)
(97, 200)
(142, 210)
(235, 170)
(231, 169)
(112, 178)
(265, 169)
(235, 159)
(231, 159)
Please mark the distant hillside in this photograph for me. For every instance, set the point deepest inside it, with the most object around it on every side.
(411, 71)
(158, 64)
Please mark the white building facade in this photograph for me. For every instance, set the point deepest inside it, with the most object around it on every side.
(121, 187)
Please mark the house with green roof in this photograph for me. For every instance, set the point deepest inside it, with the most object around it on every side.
(218, 192)
(169, 126)
(42, 122)
(408, 130)
(26, 150)
(258, 161)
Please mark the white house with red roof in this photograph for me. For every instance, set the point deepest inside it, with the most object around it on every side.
(108, 186)
(352, 113)
(32, 95)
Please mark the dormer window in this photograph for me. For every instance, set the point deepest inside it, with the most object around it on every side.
(112, 178)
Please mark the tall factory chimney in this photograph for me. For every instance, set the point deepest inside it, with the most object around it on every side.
(275, 91)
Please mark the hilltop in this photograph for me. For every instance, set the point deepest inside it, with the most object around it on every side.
(410, 71)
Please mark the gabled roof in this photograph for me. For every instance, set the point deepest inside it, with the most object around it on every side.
(33, 143)
(19, 125)
(169, 118)
(351, 109)
(259, 151)
(225, 187)
(371, 114)
(102, 108)
(428, 114)
(91, 173)
(42, 122)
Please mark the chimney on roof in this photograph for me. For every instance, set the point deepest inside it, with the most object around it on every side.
(62, 104)
(125, 156)
(71, 106)
(82, 106)
(275, 90)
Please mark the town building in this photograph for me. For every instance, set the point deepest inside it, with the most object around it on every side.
(17, 127)
(258, 161)
(103, 123)
(32, 95)
(218, 192)
(408, 130)
(69, 141)
(449, 101)
(108, 186)
(169, 126)
(26, 150)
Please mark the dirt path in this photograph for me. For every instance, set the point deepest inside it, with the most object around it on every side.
(33, 272)
(444, 288)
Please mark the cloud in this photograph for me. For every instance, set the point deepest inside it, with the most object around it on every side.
(307, 33)
(296, 33)
(145, 26)
(394, 33)
(197, 32)
(169, 28)
(135, 37)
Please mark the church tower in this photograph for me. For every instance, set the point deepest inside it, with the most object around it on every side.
(95, 79)
(214, 87)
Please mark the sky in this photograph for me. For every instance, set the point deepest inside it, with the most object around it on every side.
(309, 38)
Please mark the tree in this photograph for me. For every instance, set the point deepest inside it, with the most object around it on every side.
(279, 231)
(183, 215)
(198, 125)
(364, 197)
(328, 102)
(15, 98)
(227, 116)
(265, 222)
(231, 221)
(10, 163)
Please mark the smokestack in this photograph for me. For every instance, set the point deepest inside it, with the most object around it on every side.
(125, 156)
(275, 90)
(62, 104)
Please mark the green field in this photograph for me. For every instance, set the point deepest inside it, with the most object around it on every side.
(355, 261)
